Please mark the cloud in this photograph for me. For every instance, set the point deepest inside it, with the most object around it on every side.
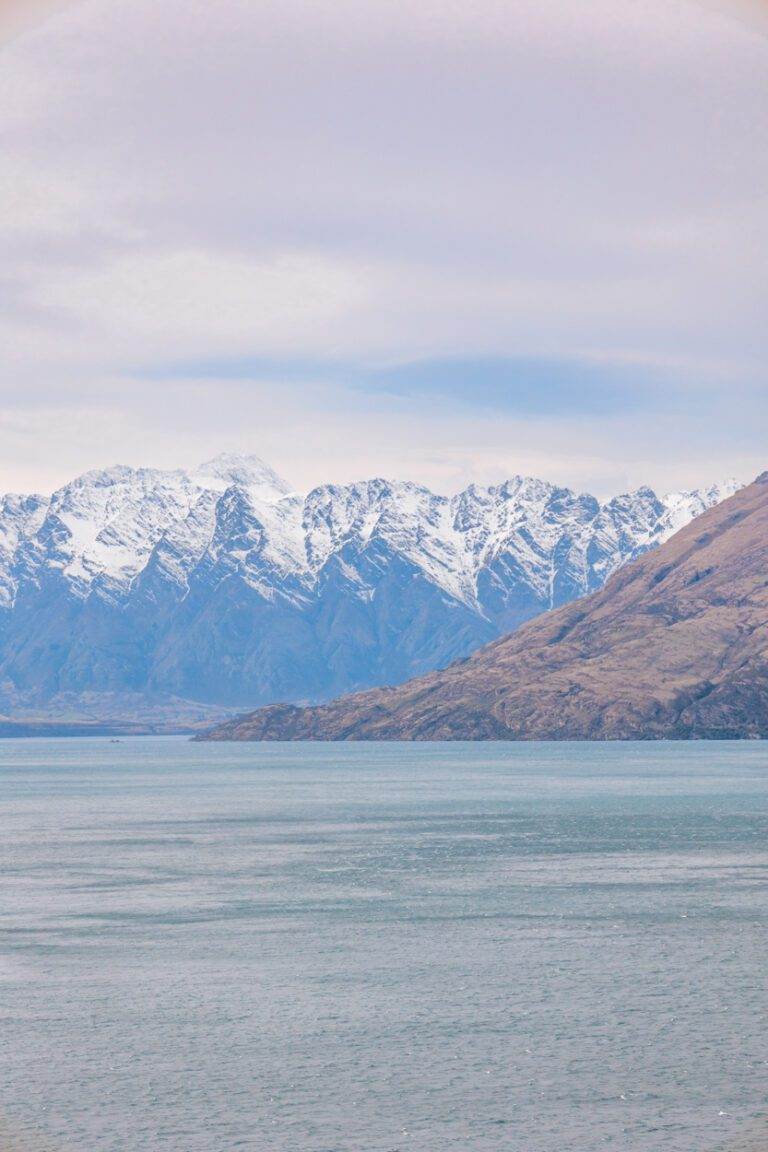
(752, 13)
(18, 15)
(315, 431)
(363, 187)
(196, 300)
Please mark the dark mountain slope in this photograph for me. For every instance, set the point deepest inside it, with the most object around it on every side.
(675, 645)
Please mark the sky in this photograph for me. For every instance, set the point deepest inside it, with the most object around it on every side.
(449, 242)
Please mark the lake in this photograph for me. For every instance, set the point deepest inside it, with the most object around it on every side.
(383, 948)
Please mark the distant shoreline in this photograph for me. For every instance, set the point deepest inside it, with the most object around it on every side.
(10, 729)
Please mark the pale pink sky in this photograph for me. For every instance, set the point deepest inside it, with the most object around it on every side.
(241, 225)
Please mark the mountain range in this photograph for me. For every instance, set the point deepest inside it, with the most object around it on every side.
(674, 646)
(181, 595)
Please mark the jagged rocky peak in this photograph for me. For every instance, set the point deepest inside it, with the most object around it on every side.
(107, 521)
(682, 507)
(243, 471)
(250, 530)
(166, 576)
(338, 515)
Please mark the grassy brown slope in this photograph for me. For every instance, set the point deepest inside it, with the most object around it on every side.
(674, 645)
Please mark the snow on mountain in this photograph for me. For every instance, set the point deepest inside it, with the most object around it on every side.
(250, 472)
(260, 540)
(397, 516)
(105, 523)
(20, 519)
(682, 507)
(224, 586)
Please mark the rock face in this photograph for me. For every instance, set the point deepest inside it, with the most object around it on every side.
(674, 646)
(221, 588)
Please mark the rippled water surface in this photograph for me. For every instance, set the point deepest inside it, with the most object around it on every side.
(544, 948)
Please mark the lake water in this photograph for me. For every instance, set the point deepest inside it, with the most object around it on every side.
(383, 948)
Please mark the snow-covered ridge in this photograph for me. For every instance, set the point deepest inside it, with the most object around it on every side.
(222, 576)
(105, 525)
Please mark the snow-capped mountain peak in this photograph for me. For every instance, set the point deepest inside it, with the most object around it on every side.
(249, 471)
(222, 585)
(682, 507)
